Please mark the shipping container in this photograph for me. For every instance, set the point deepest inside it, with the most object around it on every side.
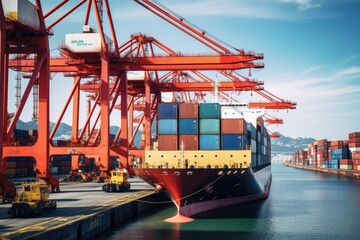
(135, 75)
(20, 133)
(354, 135)
(233, 142)
(346, 167)
(209, 111)
(188, 142)
(189, 110)
(86, 42)
(167, 126)
(188, 126)
(234, 126)
(168, 142)
(209, 142)
(22, 11)
(209, 126)
(168, 111)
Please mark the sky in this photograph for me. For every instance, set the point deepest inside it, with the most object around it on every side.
(311, 53)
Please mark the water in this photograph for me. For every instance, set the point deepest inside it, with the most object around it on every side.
(302, 205)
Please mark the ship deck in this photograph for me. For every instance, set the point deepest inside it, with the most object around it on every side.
(76, 202)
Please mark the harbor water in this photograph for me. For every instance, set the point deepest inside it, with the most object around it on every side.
(302, 205)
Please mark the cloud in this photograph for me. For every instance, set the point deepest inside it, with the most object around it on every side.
(257, 9)
(302, 5)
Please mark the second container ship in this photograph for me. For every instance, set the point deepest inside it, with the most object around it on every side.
(208, 156)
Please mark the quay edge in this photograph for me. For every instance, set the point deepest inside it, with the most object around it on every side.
(339, 172)
(98, 220)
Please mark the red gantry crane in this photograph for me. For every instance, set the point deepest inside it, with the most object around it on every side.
(107, 66)
(102, 73)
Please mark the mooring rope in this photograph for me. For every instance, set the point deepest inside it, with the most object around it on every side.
(163, 202)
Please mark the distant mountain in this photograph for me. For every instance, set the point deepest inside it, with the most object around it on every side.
(289, 145)
(63, 132)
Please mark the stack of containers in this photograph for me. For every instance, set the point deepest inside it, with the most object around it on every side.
(188, 126)
(259, 141)
(20, 167)
(252, 136)
(322, 153)
(63, 162)
(300, 157)
(209, 126)
(354, 148)
(168, 126)
(312, 154)
(337, 152)
(356, 160)
(234, 134)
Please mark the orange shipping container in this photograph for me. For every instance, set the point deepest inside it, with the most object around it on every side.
(189, 142)
(354, 145)
(188, 110)
(356, 167)
(356, 154)
(168, 142)
(234, 126)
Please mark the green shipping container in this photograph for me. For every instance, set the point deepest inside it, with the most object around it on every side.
(209, 126)
(209, 111)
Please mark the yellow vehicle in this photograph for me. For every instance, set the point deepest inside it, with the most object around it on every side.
(32, 200)
(118, 181)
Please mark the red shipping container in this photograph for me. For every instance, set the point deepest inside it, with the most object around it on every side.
(189, 142)
(355, 154)
(346, 162)
(354, 140)
(168, 142)
(189, 110)
(234, 126)
(354, 135)
(356, 161)
(353, 145)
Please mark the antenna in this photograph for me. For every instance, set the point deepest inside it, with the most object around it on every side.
(216, 88)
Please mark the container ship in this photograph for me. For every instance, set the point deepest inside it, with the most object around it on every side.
(208, 156)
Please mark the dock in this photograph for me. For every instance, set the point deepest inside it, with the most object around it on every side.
(83, 211)
(339, 172)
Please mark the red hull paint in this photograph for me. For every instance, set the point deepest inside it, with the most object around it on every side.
(198, 190)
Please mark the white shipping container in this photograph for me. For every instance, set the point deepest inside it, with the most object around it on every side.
(22, 11)
(136, 75)
(86, 42)
(355, 149)
(346, 167)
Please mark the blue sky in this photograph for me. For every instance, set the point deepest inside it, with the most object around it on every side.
(311, 49)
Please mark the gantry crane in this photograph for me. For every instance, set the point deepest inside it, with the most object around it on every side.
(109, 84)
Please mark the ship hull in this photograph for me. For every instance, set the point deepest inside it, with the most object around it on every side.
(196, 191)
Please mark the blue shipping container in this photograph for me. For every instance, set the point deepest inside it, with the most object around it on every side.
(209, 142)
(188, 126)
(209, 110)
(167, 126)
(168, 111)
(342, 151)
(234, 142)
(21, 133)
(334, 162)
(338, 156)
(209, 126)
